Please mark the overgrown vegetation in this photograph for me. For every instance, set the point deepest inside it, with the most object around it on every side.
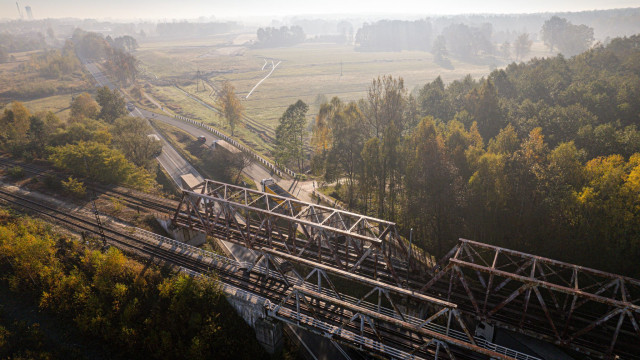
(139, 310)
(543, 157)
(96, 143)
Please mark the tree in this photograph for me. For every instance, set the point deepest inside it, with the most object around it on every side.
(131, 138)
(230, 105)
(384, 112)
(321, 137)
(241, 161)
(126, 42)
(552, 31)
(434, 187)
(98, 162)
(112, 104)
(522, 46)
(505, 49)
(290, 135)
(484, 107)
(83, 106)
(568, 38)
(440, 53)
(15, 126)
(122, 65)
(347, 142)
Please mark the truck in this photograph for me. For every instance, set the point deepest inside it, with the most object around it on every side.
(269, 186)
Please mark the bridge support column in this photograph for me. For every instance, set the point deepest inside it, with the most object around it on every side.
(269, 334)
(185, 235)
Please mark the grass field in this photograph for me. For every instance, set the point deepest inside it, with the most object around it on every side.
(20, 83)
(305, 71)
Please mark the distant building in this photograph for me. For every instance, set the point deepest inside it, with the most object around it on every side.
(29, 13)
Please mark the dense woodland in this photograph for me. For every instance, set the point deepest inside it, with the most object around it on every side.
(542, 157)
(135, 310)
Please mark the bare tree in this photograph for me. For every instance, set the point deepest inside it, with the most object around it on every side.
(241, 161)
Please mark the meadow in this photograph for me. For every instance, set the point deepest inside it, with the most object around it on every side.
(312, 72)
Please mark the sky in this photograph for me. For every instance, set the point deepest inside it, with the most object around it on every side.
(191, 9)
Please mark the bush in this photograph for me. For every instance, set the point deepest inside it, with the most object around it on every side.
(16, 172)
(52, 182)
(75, 187)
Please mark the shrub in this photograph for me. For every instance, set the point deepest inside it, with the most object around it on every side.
(16, 172)
(75, 187)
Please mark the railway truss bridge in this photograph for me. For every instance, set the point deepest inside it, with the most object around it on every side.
(400, 304)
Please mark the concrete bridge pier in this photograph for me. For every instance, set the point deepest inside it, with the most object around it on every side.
(252, 309)
(187, 236)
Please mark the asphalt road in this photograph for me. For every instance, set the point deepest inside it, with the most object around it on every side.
(254, 171)
(169, 159)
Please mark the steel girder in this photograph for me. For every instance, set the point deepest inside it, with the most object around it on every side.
(345, 240)
(385, 306)
(589, 311)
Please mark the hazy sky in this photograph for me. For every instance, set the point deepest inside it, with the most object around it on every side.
(176, 9)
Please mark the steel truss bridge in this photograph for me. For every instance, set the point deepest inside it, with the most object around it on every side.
(412, 307)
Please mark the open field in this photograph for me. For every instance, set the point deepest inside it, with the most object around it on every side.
(19, 81)
(305, 71)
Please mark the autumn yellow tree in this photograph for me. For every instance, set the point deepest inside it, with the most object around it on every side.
(83, 106)
(230, 105)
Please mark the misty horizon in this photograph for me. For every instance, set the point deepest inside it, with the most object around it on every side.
(119, 10)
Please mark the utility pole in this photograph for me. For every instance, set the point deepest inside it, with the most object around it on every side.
(410, 253)
(95, 210)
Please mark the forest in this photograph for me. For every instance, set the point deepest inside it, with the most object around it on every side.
(123, 308)
(542, 157)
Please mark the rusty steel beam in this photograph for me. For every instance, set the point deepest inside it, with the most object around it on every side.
(400, 324)
(342, 239)
(584, 309)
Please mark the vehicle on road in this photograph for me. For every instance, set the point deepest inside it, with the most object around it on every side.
(202, 139)
(130, 106)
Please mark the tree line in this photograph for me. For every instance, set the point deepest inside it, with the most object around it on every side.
(542, 157)
(116, 53)
(283, 36)
(469, 42)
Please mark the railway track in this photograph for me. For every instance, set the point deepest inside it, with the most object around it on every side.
(132, 197)
(254, 282)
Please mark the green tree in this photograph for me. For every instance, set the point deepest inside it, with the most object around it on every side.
(15, 122)
(112, 104)
(100, 163)
(485, 109)
(230, 105)
(131, 137)
(568, 38)
(290, 135)
(346, 147)
(434, 187)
